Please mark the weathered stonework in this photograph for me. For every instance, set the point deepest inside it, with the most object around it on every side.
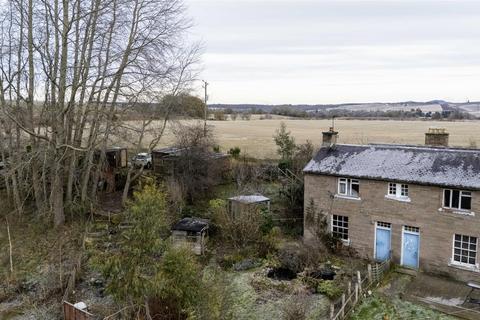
(437, 226)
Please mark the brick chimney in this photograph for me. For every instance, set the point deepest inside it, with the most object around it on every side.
(329, 137)
(436, 137)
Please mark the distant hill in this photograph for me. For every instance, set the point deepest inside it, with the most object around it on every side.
(428, 106)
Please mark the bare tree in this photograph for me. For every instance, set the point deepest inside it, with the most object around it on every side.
(69, 69)
(148, 126)
(196, 167)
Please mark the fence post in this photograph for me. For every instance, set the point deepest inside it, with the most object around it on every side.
(359, 279)
(356, 293)
(343, 306)
(369, 267)
(332, 310)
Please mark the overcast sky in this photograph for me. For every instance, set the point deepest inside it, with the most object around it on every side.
(295, 51)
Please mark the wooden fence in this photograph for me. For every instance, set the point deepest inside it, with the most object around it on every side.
(355, 293)
(72, 313)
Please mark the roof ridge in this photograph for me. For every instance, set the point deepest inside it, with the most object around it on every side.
(413, 164)
(411, 146)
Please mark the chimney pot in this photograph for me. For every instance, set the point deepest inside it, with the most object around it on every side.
(436, 137)
(329, 137)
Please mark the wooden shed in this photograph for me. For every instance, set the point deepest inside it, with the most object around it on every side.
(163, 160)
(191, 232)
(115, 161)
(117, 157)
(167, 161)
(238, 204)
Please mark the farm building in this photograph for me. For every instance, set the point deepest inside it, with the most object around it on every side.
(192, 232)
(418, 205)
(238, 204)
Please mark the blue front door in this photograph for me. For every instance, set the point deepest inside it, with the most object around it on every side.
(382, 244)
(410, 248)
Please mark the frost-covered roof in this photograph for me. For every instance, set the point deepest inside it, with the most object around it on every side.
(452, 167)
(255, 198)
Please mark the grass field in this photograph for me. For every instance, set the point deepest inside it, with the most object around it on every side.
(255, 137)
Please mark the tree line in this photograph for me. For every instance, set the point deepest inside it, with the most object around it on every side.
(447, 113)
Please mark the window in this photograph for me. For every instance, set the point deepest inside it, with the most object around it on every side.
(385, 225)
(392, 189)
(411, 229)
(398, 190)
(465, 249)
(457, 199)
(340, 227)
(349, 187)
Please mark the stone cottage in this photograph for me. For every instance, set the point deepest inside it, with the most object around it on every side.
(418, 205)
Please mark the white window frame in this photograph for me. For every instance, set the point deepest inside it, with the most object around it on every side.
(398, 187)
(348, 187)
(347, 241)
(453, 262)
(461, 194)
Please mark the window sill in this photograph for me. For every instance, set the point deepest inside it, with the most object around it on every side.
(457, 211)
(341, 196)
(345, 242)
(472, 268)
(401, 199)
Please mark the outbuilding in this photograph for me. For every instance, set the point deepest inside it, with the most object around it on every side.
(238, 204)
(172, 161)
(192, 232)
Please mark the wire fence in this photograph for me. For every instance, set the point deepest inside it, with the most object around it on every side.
(355, 291)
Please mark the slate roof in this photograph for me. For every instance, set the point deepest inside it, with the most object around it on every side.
(453, 167)
(255, 198)
(191, 224)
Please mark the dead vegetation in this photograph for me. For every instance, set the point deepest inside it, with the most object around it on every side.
(43, 263)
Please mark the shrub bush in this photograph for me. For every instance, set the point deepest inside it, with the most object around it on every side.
(297, 257)
(329, 288)
(234, 152)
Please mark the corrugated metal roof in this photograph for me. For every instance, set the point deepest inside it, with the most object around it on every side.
(168, 150)
(452, 167)
(175, 152)
(254, 198)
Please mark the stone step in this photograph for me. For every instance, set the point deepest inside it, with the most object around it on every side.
(407, 271)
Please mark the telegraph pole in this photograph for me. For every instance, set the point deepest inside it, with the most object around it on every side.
(205, 85)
